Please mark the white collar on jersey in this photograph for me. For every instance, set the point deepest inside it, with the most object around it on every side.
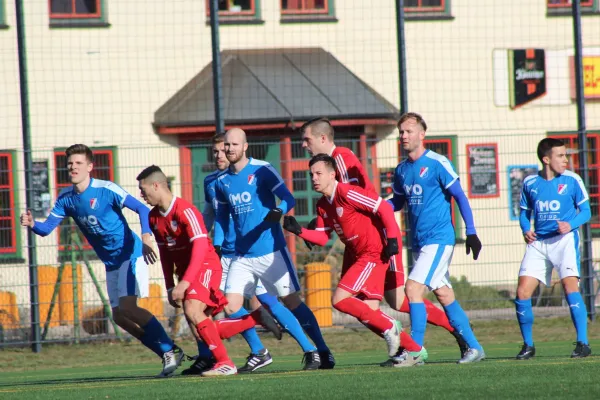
(164, 214)
(331, 151)
(330, 200)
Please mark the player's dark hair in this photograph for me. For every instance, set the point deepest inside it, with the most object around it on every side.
(149, 171)
(325, 158)
(415, 116)
(218, 138)
(545, 147)
(319, 126)
(80, 149)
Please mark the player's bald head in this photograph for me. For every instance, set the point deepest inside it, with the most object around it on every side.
(235, 135)
(317, 127)
(152, 174)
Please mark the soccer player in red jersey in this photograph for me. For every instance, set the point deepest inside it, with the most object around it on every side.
(186, 251)
(360, 218)
(317, 137)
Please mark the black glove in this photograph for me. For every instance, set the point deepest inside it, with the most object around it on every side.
(291, 225)
(391, 248)
(218, 250)
(312, 225)
(274, 215)
(473, 243)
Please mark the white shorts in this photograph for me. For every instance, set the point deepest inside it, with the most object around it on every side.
(225, 263)
(131, 279)
(431, 264)
(560, 252)
(274, 270)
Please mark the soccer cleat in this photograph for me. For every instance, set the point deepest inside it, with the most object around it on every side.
(256, 361)
(392, 338)
(199, 366)
(526, 352)
(471, 356)
(311, 360)
(462, 345)
(410, 358)
(269, 323)
(221, 369)
(581, 350)
(390, 361)
(171, 361)
(327, 360)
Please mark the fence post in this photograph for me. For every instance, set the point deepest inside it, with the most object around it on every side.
(216, 66)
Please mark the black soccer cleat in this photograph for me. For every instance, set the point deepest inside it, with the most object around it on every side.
(269, 323)
(311, 361)
(462, 345)
(256, 361)
(327, 360)
(526, 352)
(199, 366)
(581, 350)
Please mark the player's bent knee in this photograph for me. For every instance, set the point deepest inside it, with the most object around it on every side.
(414, 290)
(339, 295)
(570, 284)
(194, 311)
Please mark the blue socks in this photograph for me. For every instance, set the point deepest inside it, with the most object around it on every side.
(155, 338)
(418, 322)
(307, 320)
(525, 318)
(287, 320)
(578, 315)
(249, 335)
(459, 321)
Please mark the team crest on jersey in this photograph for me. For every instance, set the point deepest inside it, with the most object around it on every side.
(423, 172)
(339, 211)
(324, 215)
(94, 203)
(174, 225)
(562, 188)
(251, 179)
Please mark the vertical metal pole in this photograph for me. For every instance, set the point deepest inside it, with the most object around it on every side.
(36, 344)
(586, 261)
(216, 65)
(74, 278)
(403, 102)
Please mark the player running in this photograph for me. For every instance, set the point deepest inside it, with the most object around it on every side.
(259, 356)
(186, 251)
(360, 218)
(554, 197)
(247, 191)
(317, 137)
(96, 207)
(426, 182)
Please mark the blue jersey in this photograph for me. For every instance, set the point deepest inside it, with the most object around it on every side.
(248, 196)
(424, 184)
(552, 200)
(97, 212)
(228, 246)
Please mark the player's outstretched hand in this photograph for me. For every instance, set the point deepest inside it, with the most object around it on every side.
(274, 215)
(148, 250)
(473, 243)
(391, 248)
(172, 302)
(291, 225)
(27, 219)
(312, 225)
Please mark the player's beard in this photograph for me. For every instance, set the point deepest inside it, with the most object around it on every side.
(234, 158)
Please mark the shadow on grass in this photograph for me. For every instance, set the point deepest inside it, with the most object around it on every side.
(76, 380)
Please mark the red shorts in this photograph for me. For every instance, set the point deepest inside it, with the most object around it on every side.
(394, 275)
(364, 276)
(206, 290)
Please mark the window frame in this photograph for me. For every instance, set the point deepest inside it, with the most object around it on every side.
(58, 187)
(421, 13)
(560, 10)
(12, 254)
(252, 16)
(308, 15)
(73, 20)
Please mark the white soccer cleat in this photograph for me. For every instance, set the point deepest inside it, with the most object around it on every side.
(471, 356)
(221, 369)
(392, 338)
(171, 361)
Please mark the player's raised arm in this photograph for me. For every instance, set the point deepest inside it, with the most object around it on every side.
(277, 186)
(319, 236)
(143, 211)
(46, 227)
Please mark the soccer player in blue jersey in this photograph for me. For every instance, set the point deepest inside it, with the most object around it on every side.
(426, 182)
(247, 190)
(559, 204)
(259, 356)
(96, 207)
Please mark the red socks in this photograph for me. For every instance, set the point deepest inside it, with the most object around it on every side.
(209, 334)
(229, 327)
(375, 320)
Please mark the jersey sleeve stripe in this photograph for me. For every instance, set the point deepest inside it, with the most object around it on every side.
(583, 201)
(193, 222)
(198, 236)
(341, 166)
(525, 208)
(57, 216)
(377, 205)
(359, 198)
(450, 184)
(276, 186)
(323, 229)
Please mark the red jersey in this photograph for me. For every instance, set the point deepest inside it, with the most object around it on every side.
(350, 169)
(177, 233)
(359, 217)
